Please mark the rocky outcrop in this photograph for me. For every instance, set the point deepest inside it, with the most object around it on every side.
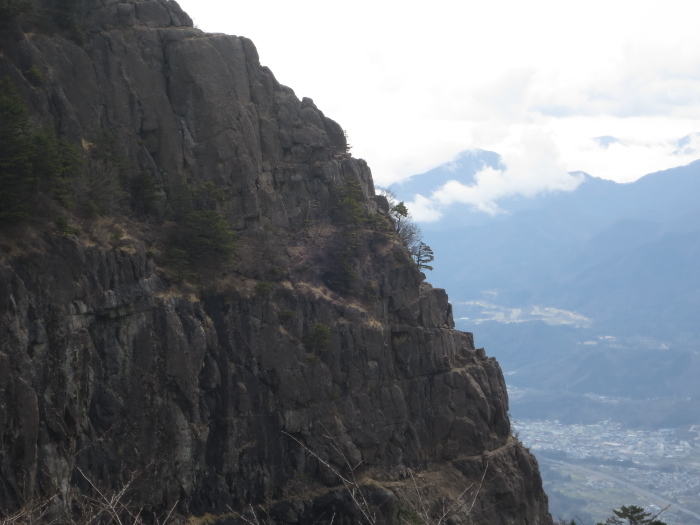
(207, 391)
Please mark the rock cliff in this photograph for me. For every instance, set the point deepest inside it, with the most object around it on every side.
(230, 389)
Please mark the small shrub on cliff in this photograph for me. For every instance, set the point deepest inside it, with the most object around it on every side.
(57, 163)
(143, 189)
(403, 224)
(408, 231)
(276, 273)
(371, 291)
(350, 215)
(176, 259)
(632, 515)
(63, 227)
(34, 75)
(9, 9)
(348, 211)
(101, 187)
(117, 236)
(208, 196)
(380, 225)
(263, 288)
(204, 236)
(64, 15)
(343, 276)
(179, 199)
(319, 338)
(406, 515)
(17, 179)
(31, 161)
(183, 200)
(285, 315)
(201, 236)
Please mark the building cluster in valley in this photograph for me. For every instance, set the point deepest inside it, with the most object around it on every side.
(666, 462)
(605, 440)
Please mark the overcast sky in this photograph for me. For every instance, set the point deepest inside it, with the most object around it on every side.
(414, 83)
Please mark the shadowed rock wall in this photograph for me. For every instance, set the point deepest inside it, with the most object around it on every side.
(107, 369)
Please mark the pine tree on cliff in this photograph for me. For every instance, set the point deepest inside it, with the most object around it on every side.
(423, 254)
(17, 180)
(632, 515)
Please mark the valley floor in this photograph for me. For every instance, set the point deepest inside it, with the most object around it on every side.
(590, 469)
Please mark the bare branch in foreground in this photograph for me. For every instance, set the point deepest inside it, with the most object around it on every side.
(417, 504)
(350, 483)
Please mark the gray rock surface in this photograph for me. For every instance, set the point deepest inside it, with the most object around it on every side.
(108, 369)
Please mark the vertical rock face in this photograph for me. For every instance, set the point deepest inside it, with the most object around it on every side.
(106, 369)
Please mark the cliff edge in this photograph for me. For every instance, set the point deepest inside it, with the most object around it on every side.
(315, 352)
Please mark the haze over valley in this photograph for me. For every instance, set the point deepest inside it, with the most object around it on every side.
(588, 296)
(589, 291)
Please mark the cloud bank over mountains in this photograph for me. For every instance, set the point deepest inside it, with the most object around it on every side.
(414, 86)
(531, 168)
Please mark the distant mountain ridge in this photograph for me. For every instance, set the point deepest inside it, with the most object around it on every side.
(624, 256)
(463, 168)
(667, 192)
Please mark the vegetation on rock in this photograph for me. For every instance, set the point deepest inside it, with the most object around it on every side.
(632, 515)
(30, 161)
(17, 178)
(352, 218)
(201, 236)
(408, 231)
(320, 321)
(319, 338)
(9, 9)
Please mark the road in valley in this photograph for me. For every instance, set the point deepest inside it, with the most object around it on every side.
(643, 493)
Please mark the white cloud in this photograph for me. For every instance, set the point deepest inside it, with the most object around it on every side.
(424, 210)
(532, 167)
(641, 79)
(414, 85)
(645, 145)
(688, 146)
(503, 97)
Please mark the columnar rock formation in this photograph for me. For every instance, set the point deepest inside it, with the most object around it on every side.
(108, 367)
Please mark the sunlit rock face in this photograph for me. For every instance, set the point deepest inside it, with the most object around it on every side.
(206, 390)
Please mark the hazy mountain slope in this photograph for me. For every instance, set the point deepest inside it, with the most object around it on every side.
(623, 257)
(462, 169)
(652, 288)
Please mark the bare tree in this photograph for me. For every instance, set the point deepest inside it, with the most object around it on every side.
(418, 505)
(349, 481)
(407, 230)
(102, 506)
(412, 499)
